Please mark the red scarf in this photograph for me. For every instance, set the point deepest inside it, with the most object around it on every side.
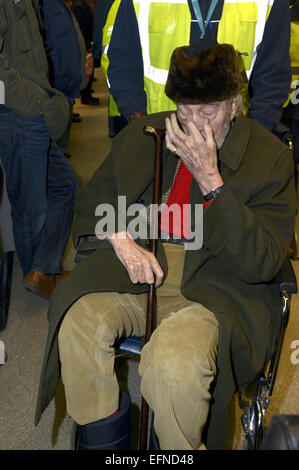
(180, 194)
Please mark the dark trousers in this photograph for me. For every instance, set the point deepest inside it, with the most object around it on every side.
(41, 186)
(86, 93)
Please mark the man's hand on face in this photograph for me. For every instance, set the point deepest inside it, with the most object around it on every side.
(198, 151)
(142, 265)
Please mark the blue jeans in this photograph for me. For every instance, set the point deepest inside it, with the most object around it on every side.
(41, 187)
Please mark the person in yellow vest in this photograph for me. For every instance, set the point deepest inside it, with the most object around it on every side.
(104, 18)
(146, 32)
(290, 115)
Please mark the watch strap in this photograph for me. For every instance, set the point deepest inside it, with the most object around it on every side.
(212, 194)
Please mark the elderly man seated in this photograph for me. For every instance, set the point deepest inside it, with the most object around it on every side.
(217, 306)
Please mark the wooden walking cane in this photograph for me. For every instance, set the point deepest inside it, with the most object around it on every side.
(158, 134)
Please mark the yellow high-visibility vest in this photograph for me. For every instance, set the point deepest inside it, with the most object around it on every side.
(294, 56)
(165, 25)
(107, 33)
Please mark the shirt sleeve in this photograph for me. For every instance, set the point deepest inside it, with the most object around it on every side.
(100, 18)
(125, 71)
(269, 84)
(85, 22)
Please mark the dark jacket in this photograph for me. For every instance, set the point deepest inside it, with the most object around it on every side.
(65, 47)
(84, 16)
(24, 68)
(246, 233)
(100, 18)
(295, 10)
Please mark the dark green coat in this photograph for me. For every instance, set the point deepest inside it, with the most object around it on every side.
(246, 230)
(24, 67)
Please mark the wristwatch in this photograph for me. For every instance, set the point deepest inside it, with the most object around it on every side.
(212, 194)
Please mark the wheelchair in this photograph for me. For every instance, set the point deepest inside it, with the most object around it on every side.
(254, 399)
(255, 410)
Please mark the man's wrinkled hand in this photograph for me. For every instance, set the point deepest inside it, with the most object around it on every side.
(198, 151)
(142, 265)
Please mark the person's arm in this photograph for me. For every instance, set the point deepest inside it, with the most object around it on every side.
(250, 238)
(253, 238)
(100, 18)
(99, 198)
(82, 46)
(85, 22)
(125, 71)
(271, 76)
(21, 94)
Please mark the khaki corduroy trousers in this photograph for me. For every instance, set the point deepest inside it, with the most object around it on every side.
(177, 365)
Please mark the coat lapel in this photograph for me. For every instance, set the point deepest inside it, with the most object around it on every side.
(232, 152)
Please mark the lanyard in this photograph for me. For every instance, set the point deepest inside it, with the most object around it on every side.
(202, 25)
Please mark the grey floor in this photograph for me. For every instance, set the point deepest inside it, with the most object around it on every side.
(26, 330)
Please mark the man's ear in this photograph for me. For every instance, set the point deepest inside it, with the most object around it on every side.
(234, 107)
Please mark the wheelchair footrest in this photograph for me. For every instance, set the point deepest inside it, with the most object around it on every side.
(132, 345)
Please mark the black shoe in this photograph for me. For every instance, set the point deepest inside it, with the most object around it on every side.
(112, 433)
(91, 100)
(76, 117)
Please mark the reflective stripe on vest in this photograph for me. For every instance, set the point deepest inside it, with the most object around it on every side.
(107, 33)
(165, 25)
(242, 24)
(161, 30)
(294, 48)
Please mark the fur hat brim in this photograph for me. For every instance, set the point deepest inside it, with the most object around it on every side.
(203, 72)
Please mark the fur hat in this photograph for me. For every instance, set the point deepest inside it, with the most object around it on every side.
(203, 72)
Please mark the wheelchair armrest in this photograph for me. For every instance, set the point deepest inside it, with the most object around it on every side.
(286, 279)
(87, 241)
(87, 244)
(81, 255)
